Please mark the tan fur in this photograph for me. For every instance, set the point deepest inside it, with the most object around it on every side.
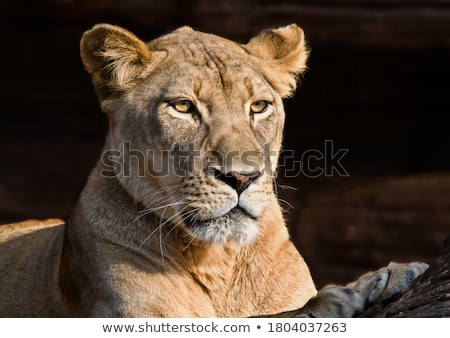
(151, 236)
(30, 255)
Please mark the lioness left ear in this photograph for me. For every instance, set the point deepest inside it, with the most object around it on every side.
(282, 54)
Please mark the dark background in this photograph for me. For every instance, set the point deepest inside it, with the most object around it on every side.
(378, 84)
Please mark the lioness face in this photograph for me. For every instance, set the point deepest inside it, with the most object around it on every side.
(196, 123)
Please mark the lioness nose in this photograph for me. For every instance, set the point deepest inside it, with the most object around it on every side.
(238, 181)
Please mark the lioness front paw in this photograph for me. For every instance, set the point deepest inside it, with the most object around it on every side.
(378, 287)
(400, 277)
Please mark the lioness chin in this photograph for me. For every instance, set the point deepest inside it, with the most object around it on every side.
(179, 218)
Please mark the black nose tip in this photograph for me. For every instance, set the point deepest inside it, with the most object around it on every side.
(238, 181)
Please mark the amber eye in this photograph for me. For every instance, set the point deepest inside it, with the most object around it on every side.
(183, 106)
(259, 106)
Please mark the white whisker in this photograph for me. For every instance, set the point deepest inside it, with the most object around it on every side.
(160, 226)
(287, 203)
(189, 244)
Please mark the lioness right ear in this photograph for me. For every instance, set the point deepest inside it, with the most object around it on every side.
(114, 57)
(281, 55)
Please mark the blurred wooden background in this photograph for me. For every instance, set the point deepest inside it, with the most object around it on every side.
(378, 85)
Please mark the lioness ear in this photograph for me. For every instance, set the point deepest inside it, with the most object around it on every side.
(114, 57)
(282, 55)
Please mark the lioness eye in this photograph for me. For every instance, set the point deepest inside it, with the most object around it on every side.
(183, 106)
(259, 106)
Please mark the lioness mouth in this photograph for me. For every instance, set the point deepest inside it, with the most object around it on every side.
(237, 226)
(235, 214)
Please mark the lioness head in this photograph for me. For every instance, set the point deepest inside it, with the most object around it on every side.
(196, 122)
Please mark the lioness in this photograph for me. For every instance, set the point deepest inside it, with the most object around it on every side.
(180, 217)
